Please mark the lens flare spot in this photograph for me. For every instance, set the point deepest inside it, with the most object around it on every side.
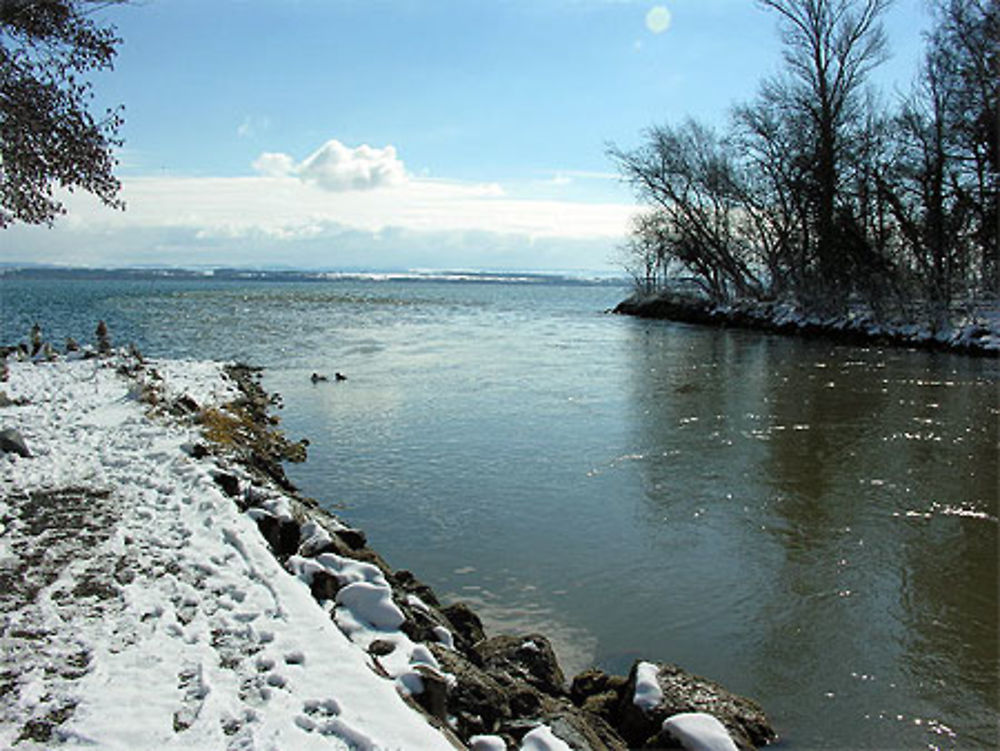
(658, 19)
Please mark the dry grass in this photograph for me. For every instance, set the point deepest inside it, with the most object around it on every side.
(227, 429)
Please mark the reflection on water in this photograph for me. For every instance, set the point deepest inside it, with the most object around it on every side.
(813, 525)
(866, 612)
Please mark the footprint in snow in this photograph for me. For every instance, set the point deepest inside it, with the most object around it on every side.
(191, 681)
(295, 657)
(276, 680)
(317, 715)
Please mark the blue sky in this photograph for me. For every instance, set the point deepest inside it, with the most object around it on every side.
(486, 123)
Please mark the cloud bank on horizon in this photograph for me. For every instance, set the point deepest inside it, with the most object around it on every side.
(339, 207)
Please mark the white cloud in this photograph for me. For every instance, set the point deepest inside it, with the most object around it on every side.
(336, 167)
(271, 164)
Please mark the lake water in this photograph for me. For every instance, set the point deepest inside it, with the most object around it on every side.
(810, 524)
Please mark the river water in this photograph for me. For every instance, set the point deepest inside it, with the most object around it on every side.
(810, 524)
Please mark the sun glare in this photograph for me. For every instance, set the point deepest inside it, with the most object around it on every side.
(658, 19)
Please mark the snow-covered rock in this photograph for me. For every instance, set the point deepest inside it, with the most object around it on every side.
(648, 693)
(543, 739)
(697, 731)
(655, 692)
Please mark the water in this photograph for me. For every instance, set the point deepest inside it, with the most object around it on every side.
(810, 524)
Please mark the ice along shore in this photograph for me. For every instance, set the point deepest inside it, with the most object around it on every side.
(164, 585)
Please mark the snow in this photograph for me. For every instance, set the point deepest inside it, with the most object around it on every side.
(487, 743)
(648, 693)
(543, 739)
(146, 611)
(698, 731)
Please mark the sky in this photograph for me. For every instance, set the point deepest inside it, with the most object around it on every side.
(402, 134)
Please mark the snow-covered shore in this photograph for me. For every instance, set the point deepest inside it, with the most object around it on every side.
(151, 611)
(164, 586)
(971, 334)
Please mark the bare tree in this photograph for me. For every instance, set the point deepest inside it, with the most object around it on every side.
(646, 253)
(687, 175)
(830, 47)
(965, 48)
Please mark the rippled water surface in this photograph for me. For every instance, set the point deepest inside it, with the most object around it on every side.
(811, 524)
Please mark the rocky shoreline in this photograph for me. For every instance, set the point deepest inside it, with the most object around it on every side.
(501, 685)
(973, 337)
(482, 692)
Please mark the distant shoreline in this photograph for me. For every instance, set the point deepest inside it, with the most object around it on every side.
(979, 337)
(582, 277)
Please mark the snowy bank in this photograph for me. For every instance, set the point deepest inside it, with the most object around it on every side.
(163, 584)
(977, 334)
(142, 608)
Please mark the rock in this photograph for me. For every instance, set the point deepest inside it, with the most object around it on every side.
(381, 648)
(695, 731)
(528, 658)
(410, 584)
(603, 705)
(184, 405)
(476, 700)
(594, 682)
(420, 622)
(598, 693)
(196, 451)
(12, 442)
(36, 339)
(354, 538)
(582, 731)
(675, 306)
(229, 483)
(281, 534)
(466, 628)
(434, 697)
(684, 692)
(324, 586)
(5, 401)
(103, 339)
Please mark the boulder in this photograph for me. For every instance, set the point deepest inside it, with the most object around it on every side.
(434, 697)
(598, 693)
(580, 730)
(354, 538)
(476, 700)
(683, 692)
(184, 405)
(527, 658)
(281, 534)
(594, 682)
(466, 628)
(324, 586)
(229, 483)
(406, 581)
(696, 731)
(12, 442)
